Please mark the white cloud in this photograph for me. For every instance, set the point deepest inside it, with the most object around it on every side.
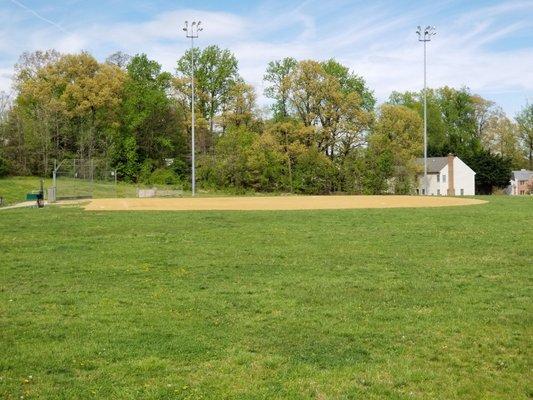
(372, 40)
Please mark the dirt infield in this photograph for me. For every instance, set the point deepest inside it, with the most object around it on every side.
(275, 203)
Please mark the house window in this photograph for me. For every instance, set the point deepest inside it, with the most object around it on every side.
(438, 191)
(522, 192)
(423, 191)
(438, 177)
(443, 178)
(521, 182)
(462, 192)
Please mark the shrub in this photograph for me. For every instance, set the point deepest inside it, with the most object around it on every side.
(4, 167)
(164, 176)
(314, 173)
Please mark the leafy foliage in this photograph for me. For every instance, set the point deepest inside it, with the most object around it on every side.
(4, 167)
(492, 171)
(324, 134)
(525, 126)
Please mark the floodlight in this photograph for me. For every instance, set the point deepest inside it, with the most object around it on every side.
(425, 37)
(192, 34)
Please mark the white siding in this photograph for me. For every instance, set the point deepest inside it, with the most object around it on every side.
(464, 178)
(433, 186)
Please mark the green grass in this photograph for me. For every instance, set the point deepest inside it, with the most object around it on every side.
(370, 304)
(14, 189)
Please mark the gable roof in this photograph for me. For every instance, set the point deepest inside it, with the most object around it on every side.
(522, 175)
(435, 164)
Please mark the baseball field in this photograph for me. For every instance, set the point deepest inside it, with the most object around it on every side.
(272, 203)
(333, 303)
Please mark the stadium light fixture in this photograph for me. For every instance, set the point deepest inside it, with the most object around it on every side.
(192, 33)
(424, 35)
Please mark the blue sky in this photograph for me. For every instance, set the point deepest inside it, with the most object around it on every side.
(485, 45)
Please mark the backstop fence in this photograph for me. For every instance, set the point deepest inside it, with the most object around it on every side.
(82, 178)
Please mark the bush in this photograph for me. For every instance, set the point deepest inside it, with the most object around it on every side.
(145, 172)
(314, 173)
(4, 167)
(164, 176)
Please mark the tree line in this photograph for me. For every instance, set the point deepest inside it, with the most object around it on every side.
(323, 133)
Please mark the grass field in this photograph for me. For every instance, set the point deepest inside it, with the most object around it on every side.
(371, 304)
(14, 189)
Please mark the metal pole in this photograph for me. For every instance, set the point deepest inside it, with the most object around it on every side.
(193, 164)
(425, 128)
(424, 35)
(54, 174)
(192, 33)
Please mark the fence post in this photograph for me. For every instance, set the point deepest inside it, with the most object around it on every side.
(54, 174)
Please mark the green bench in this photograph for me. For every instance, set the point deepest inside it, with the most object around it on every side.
(37, 196)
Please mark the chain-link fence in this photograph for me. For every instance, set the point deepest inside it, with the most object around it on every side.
(83, 178)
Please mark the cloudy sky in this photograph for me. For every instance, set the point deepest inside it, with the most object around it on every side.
(485, 45)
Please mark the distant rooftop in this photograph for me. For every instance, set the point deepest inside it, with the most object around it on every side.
(522, 175)
(435, 164)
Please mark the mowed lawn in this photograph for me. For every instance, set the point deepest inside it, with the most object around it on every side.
(350, 304)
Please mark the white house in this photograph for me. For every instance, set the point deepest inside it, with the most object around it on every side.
(447, 176)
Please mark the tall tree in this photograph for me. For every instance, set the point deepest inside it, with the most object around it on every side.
(436, 129)
(458, 114)
(216, 71)
(397, 133)
(278, 74)
(337, 112)
(240, 109)
(492, 171)
(501, 136)
(29, 64)
(452, 119)
(350, 83)
(119, 58)
(525, 126)
(151, 123)
(66, 104)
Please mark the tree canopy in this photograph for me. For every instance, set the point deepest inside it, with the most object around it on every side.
(324, 132)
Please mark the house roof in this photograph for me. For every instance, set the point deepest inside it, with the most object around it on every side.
(435, 164)
(522, 175)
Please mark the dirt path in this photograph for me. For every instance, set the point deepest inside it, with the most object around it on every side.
(275, 203)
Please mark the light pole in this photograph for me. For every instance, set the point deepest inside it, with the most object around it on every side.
(192, 33)
(425, 36)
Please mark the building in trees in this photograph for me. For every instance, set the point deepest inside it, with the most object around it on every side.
(447, 176)
(521, 183)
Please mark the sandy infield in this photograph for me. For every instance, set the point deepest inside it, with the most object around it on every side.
(275, 203)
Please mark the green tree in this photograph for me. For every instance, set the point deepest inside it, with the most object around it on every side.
(230, 168)
(314, 173)
(151, 125)
(4, 166)
(67, 105)
(350, 83)
(454, 119)
(278, 75)
(216, 71)
(267, 164)
(240, 109)
(492, 171)
(398, 132)
(525, 126)
(501, 136)
(337, 112)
